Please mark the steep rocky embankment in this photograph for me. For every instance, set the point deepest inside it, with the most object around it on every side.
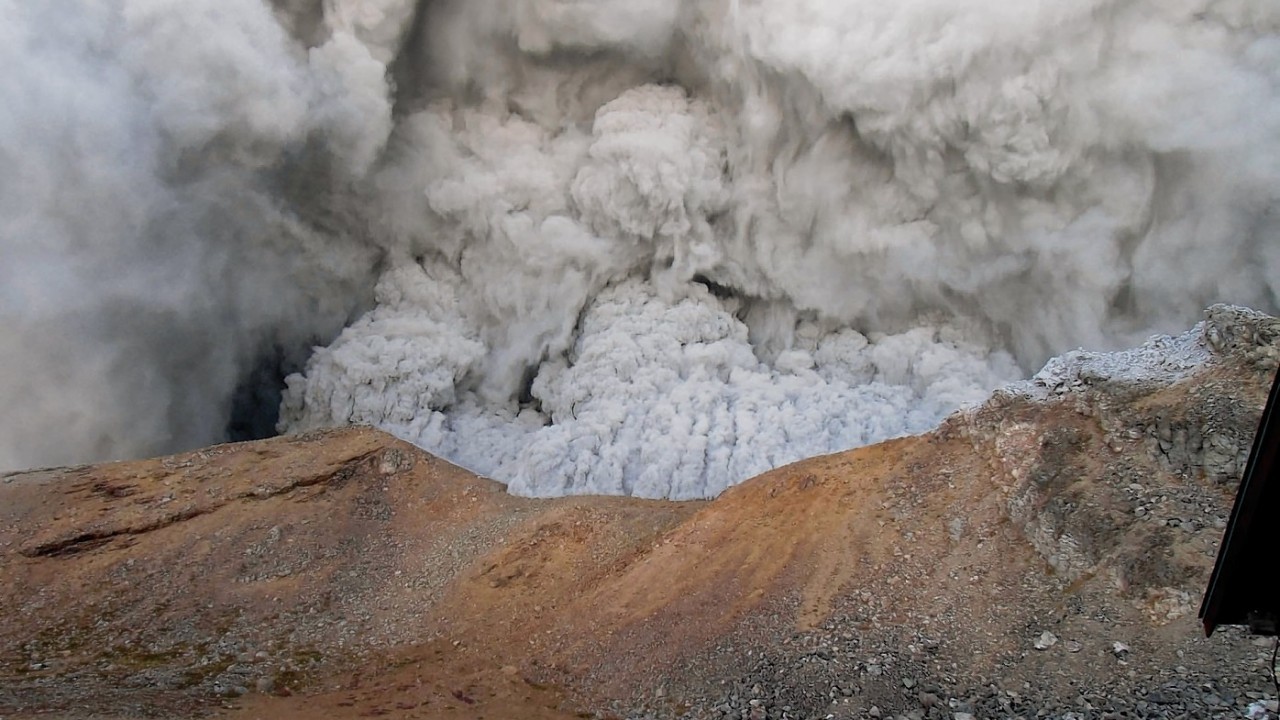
(1041, 554)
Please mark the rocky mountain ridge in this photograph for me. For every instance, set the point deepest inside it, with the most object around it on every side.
(1039, 555)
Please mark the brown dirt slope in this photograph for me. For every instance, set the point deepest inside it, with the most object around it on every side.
(346, 574)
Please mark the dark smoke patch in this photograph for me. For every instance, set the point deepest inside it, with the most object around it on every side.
(255, 404)
(723, 292)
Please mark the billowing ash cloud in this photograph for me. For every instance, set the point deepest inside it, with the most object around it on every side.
(172, 180)
(633, 246)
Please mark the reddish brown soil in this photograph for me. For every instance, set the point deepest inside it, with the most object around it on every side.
(345, 574)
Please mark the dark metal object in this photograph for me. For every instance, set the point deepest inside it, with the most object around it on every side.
(1243, 589)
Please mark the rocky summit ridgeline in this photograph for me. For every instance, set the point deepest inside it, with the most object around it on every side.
(1041, 555)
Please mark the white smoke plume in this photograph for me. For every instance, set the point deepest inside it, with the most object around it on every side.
(630, 246)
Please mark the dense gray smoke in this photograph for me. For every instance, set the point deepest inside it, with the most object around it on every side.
(168, 174)
(631, 246)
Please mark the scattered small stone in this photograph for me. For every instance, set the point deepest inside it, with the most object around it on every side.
(1261, 710)
(1159, 698)
(229, 690)
(1046, 640)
